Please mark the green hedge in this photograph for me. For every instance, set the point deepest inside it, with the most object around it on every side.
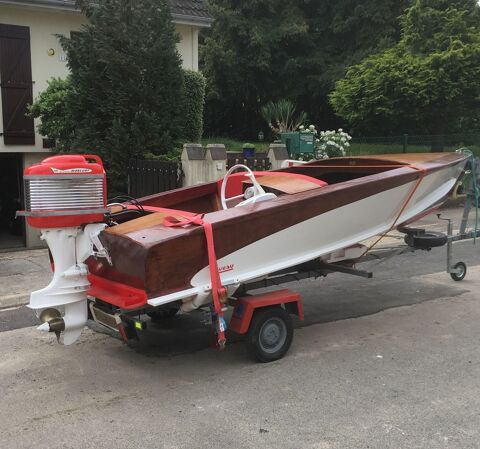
(193, 105)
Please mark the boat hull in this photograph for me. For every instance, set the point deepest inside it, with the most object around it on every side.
(328, 232)
(254, 241)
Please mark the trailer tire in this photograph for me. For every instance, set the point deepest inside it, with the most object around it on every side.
(163, 313)
(427, 240)
(463, 271)
(410, 231)
(270, 334)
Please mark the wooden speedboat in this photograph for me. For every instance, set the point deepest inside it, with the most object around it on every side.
(179, 247)
(316, 209)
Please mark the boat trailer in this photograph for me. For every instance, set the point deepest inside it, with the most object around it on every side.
(265, 317)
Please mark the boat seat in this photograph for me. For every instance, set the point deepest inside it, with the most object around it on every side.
(288, 183)
(155, 217)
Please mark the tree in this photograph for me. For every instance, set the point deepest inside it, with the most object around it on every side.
(194, 99)
(267, 50)
(428, 83)
(126, 81)
(249, 58)
(51, 107)
(342, 33)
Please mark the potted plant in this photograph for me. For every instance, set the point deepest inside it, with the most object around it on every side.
(248, 150)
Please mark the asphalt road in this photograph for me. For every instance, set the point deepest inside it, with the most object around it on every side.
(336, 297)
(400, 379)
(391, 362)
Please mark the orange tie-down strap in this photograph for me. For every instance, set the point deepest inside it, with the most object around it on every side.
(423, 172)
(218, 291)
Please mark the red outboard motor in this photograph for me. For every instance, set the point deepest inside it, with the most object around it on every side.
(65, 197)
(63, 191)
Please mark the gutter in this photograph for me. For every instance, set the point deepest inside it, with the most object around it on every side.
(192, 20)
(40, 4)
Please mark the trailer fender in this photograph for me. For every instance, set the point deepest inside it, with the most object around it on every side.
(245, 307)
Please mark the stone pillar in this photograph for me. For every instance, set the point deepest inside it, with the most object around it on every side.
(277, 153)
(216, 161)
(193, 164)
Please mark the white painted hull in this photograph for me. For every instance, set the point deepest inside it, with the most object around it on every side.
(331, 231)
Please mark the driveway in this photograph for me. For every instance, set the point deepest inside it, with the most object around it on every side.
(390, 362)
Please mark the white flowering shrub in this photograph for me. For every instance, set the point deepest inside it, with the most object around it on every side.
(304, 156)
(327, 144)
(332, 143)
(308, 129)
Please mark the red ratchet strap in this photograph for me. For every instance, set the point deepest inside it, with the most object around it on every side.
(218, 291)
(423, 172)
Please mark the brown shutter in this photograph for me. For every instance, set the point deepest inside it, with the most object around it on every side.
(16, 85)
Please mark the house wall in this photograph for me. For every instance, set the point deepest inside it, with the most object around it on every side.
(188, 46)
(44, 24)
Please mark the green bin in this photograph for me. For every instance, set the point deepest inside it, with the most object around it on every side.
(298, 142)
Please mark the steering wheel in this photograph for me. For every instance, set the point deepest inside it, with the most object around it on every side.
(253, 194)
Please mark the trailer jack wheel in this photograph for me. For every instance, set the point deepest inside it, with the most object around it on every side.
(460, 271)
(270, 334)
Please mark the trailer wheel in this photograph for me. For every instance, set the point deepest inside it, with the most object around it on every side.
(427, 240)
(163, 312)
(462, 271)
(410, 231)
(270, 334)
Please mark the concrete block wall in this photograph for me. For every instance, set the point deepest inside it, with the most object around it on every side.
(203, 164)
(210, 164)
(277, 153)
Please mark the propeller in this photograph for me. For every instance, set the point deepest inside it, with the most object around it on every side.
(52, 322)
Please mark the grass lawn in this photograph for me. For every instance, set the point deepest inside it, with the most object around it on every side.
(235, 145)
(356, 149)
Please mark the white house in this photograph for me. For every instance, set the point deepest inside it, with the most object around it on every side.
(30, 54)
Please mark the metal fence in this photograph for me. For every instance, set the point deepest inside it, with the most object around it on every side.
(414, 143)
(146, 177)
(259, 162)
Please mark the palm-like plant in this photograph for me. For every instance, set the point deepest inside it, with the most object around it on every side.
(280, 116)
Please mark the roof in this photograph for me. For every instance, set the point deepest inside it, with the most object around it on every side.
(183, 11)
(189, 8)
